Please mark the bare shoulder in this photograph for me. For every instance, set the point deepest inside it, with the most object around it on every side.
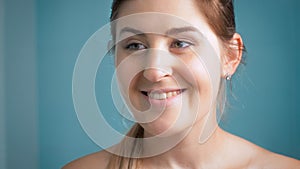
(252, 156)
(98, 160)
(270, 160)
(244, 154)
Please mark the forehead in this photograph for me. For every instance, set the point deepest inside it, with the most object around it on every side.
(186, 10)
(182, 7)
(159, 16)
(152, 23)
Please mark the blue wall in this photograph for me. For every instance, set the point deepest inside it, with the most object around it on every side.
(21, 135)
(2, 96)
(63, 28)
(43, 39)
(266, 110)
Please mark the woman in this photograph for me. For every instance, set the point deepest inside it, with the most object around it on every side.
(173, 58)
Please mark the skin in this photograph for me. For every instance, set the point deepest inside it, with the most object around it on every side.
(222, 149)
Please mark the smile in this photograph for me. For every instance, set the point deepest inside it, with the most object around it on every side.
(161, 94)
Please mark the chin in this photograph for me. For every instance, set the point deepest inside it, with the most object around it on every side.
(165, 128)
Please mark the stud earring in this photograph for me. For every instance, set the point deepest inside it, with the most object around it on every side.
(228, 76)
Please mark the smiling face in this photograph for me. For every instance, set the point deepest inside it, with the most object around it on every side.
(167, 63)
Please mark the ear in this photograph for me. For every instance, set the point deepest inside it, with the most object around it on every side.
(233, 55)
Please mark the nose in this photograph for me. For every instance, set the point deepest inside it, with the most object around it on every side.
(155, 74)
(157, 66)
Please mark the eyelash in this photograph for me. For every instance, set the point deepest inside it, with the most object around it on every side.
(135, 46)
(177, 44)
(186, 44)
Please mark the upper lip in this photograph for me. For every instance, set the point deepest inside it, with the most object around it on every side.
(162, 90)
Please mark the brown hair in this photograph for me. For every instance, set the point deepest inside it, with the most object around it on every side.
(219, 15)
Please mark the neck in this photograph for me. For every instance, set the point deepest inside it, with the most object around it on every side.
(203, 140)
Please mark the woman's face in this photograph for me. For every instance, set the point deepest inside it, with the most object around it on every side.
(162, 63)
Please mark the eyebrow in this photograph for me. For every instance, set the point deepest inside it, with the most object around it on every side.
(172, 31)
(175, 31)
(131, 30)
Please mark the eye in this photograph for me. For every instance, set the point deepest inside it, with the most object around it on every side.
(181, 44)
(135, 46)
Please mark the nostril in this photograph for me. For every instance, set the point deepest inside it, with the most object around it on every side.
(155, 75)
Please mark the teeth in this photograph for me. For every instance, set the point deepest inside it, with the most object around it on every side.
(169, 94)
(162, 96)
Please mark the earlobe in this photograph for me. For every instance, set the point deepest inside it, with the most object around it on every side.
(233, 55)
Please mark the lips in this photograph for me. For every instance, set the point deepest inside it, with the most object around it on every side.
(162, 94)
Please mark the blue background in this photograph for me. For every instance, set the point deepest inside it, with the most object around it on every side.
(41, 39)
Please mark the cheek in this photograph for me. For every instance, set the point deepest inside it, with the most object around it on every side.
(198, 77)
(195, 73)
(138, 103)
(123, 79)
(202, 79)
(124, 74)
(129, 70)
(124, 69)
